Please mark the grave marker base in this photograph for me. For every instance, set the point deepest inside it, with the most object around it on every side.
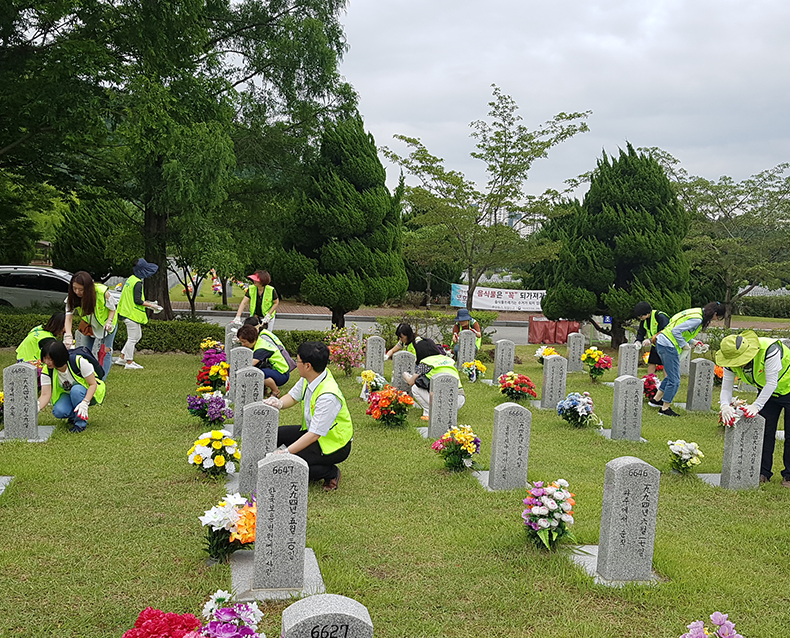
(242, 565)
(607, 434)
(711, 479)
(482, 476)
(4, 481)
(487, 381)
(44, 432)
(536, 404)
(608, 383)
(588, 561)
(423, 432)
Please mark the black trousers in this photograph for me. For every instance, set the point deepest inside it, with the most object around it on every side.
(320, 465)
(770, 413)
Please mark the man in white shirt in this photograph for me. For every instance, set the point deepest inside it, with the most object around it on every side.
(324, 438)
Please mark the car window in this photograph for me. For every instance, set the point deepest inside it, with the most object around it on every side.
(53, 284)
(22, 280)
(3, 277)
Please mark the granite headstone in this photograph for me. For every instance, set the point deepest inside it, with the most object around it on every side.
(240, 357)
(504, 358)
(443, 407)
(21, 401)
(327, 615)
(402, 361)
(260, 437)
(743, 448)
(510, 447)
(627, 408)
(685, 364)
(700, 389)
(628, 359)
(575, 352)
(374, 355)
(554, 377)
(467, 348)
(249, 389)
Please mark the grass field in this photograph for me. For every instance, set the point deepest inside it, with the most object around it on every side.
(206, 294)
(97, 526)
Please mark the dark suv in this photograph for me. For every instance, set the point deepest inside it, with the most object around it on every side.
(23, 285)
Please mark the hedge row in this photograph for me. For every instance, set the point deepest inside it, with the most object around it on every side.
(778, 307)
(435, 325)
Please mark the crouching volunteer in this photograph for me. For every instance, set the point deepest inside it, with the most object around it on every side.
(764, 363)
(324, 438)
(70, 382)
(266, 355)
(30, 348)
(406, 340)
(431, 361)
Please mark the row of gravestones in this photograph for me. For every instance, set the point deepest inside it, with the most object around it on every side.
(627, 357)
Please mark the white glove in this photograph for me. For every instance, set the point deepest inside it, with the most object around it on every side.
(274, 402)
(156, 307)
(108, 327)
(701, 348)
(236, 320)
(750, 411)
(387, 356)
(82, 410)
(685, 351)
(267, 318)
(68, 341)
(647, 343)
(728, 414)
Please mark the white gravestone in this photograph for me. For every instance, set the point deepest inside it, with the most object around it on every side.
(237, 358)
(327, 615)
(467, 348)
(509, 448)
(554, 377)
(374, 355)
(443, 407)
(504, 358)
(21, 402)
(700, 388)
(249, 389)
(402, 361)
(575, 352)
(230, 335)
(628, 360)
(685, 364)
(627, 408)
(743, 450)
(260, 437)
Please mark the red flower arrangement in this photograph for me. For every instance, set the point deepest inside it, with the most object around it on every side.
(154, 623)
(651, 386)
(516, 386)
(389, 405)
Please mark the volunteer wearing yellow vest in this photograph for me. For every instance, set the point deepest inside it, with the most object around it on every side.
(324, 438)
(262, 299)
(431, 361)
(764, 363)
(406, 340)
(30, 350)
(651, 322)
(676, 341)
(92, 303)
(266, 355)
(132, 308)
(465, 321)
(69, 381)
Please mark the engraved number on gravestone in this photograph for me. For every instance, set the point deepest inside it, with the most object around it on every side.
(329, 631)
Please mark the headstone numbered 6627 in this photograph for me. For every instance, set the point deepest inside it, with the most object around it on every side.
(21, 405)
(327, 615)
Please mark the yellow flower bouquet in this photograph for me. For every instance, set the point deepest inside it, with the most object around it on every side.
(215, 453)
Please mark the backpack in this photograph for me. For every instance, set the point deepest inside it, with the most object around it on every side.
(86, 354)
(291, 363)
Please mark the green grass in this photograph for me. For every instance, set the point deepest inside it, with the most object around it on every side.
(206, 294)
(97, 526)
(747, 319)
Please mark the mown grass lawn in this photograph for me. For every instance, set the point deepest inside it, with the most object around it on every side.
(97, 526)
(206, 294)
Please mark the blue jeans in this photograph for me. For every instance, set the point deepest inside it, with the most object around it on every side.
(93, 346)
(671, 361)
(64, 406)
(279, 377)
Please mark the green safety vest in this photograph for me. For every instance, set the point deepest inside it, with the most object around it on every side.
(441, 364)
(478, 340)
(57, 390)
(341, 431)
(266, 302)
(756, 376)
(410, 347)
(126, 307)
(676, 320)
(29, 349)
(101, 311)
(651, 324)
(267, 341)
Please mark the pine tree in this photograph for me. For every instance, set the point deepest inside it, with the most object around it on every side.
(621, 245)
(348, 225)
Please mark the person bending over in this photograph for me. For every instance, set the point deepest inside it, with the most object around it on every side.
(431, 361)
(266, 356)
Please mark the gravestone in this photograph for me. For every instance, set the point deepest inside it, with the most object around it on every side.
(443, 407)
(327, 615)
(21, 402)
(239, 357)
(467, 348)
(230, 334)
(627, 408)
(628, 360)
(554, 376)
(504, 358)
(743, 449)
(685, 364)
(575, 352)
(249, 389)
(509, 447)
(628, 520)
(402, 361)
(5, 481)
(374, 355)
(260, 437)
(280, 566)
(700, 388)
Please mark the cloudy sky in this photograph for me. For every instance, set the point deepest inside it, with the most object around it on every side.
(705, 80)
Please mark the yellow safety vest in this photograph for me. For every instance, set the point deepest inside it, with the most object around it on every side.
(342, 430)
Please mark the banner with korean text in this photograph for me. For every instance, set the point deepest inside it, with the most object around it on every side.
(498, 299)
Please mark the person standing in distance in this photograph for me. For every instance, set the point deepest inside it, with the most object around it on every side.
(262, 299)
(132, 308)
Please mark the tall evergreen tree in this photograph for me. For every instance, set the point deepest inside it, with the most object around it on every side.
(347, 224)
(622, 245)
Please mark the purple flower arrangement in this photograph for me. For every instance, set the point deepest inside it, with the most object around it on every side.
(213, 356)
(724, 628)
(230, 620)
(212, 409)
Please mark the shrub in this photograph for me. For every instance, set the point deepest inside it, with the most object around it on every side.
(774, 306)
(434, 325)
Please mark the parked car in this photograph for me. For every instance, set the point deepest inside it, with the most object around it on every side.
(21, 286)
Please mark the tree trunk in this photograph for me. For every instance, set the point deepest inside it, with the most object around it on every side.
(224, 292)
(471, 284)
(338, 318)
(618, 333)
(428, 290)
(728, 303)
(156, 288)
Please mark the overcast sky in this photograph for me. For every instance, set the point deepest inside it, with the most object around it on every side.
(705, 80)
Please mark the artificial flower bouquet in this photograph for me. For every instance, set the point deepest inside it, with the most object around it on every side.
(684, 457)
(456, 446)
(597, 362)
(215, 453)
(650, 386)
(214, 376)
(371, 382)
(154, 623)
(230, 526)
(212, 344)
(645, 358)
(579, 410)
(345, 349)
(543, 352)
(549, 513)
(390, 406)
(723, 628)
(474, 370)
(516, 386)
(2, 405)
(718, 375)
(211, 408)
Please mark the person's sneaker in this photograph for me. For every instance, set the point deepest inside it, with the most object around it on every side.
(667, 412)
(653, 404)
(331, 484)
(132, 366)
(425, 417)
(119, 361)
(764, 479)
(786, 482)
(76, 429)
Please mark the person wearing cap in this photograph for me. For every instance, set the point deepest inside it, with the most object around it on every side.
(406, 340)
(465, 321)
(132, 308)
(676, 341)
(262, 299)
(651, 322)
(763, 362)
(431, 360)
